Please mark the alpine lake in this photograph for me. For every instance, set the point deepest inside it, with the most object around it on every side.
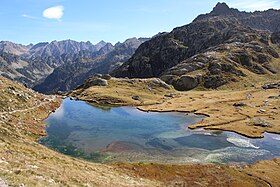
(126, 134)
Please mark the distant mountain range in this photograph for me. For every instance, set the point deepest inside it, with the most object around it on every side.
(33, 64)
(70, 75)
(221, 47)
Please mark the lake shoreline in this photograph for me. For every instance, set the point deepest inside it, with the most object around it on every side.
(212, 103)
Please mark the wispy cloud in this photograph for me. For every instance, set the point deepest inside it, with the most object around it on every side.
(55, 12)
(255, 4)
(31, 17)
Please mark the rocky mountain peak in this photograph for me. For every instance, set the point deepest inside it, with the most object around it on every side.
(100, 45)
(221, 9)
(13, 48)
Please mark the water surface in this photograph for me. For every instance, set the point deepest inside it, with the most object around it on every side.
(127, 134)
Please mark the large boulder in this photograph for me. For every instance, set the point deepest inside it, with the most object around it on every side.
(94, 81)
(186, 83)
(168, 78)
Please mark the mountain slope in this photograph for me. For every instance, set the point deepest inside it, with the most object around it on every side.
(216, 48)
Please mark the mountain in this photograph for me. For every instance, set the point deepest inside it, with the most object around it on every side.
(260, 20)
(33, 63)
(224, 46)
(26, 71)
(17, 49)
(57, 48)
(71, 75)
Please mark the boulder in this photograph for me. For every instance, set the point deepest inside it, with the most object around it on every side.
(271, 85)
(97, 75)
(160, 83)
(95, 82)
(136, 97)
(170, 95)
(168, 78)
(260, 122)
(186, 83)
(262, 111)
(239, 104)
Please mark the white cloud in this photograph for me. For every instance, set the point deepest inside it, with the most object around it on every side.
(55, 12)
(253, 5)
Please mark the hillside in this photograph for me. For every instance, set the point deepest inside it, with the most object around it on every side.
(224, 66)
(223, 47)
(25, 162)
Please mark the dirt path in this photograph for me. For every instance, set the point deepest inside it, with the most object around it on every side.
(28, 109)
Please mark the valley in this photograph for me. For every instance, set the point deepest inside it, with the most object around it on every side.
(197, 106)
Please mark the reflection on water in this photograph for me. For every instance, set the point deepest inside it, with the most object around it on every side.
(127, 134)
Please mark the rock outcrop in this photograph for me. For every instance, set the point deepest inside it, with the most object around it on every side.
(219, 47)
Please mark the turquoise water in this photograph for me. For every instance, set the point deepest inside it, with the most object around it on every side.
(127, 134)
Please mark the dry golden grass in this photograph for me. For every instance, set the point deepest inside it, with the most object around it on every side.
(120, 92)
(222, 115)
(24, 161)
(192, 175)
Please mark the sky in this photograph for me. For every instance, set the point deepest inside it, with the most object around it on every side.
(34, 21)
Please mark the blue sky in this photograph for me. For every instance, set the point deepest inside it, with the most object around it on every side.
(33, 21)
